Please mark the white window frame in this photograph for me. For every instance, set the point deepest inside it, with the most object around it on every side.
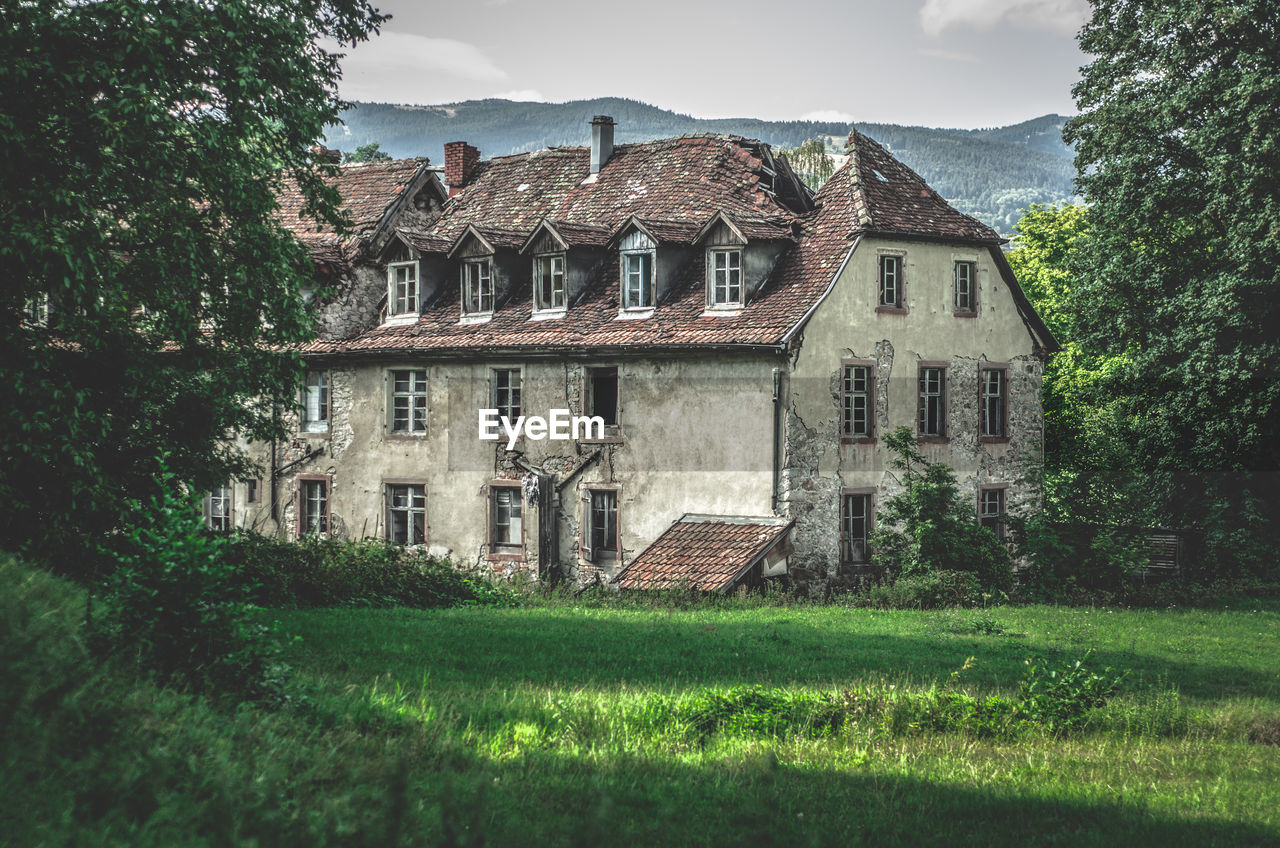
(506, 528)
(591, 526)
(647, 297)
(414, 504)
(407, 303)
(506, 399)
(414, 397)
(992, 509)
(219, 509)
(723, 278)
(477, 286)
(544, 265)
(314, 414)
(313, 506)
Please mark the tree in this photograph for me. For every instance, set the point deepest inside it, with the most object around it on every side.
(810, 162)
(1178, 145)
(145, 143)
(371, 152)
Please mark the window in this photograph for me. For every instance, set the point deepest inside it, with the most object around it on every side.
(548, 281)
(505, 392)
(891, 281)
(218, 509)
(406, 513)
(477, 287)
(726, 278)
(407, 407)
(933, 407)
(994, 392)
(637, 280)
(857, 402)
(506, 531)
(251, 490)
(402, 288)
(601, 531)
(602, 394)
(855, 528)
(36, 310)
(315, 402)
(991, 510)
(965, 294)
(313, 506)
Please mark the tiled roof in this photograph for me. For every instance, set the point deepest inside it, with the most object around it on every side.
(703, 552)
(889, 197)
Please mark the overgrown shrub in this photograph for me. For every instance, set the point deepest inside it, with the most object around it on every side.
(1061, 698)
(922, 591)
(326, 572)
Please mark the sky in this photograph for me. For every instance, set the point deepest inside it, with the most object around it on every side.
(952, 63)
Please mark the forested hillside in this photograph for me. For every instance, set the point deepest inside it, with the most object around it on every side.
(989, 173)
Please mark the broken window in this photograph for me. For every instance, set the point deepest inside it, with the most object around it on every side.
(315, 402)
(549, 281)
(406, 513)
(857, 402)
(313, 515)
(933, 408)
(891, 281)
(637, 280)
(855, 529)
(726, 277)
(218, 509)
(402, 288)
(991, 511)
(505, 392)
(602, 391)
(251, 490)
(408, 401)
(964, 288)
(601, 532)
(507, 528)
(994, 394)
(477, 287)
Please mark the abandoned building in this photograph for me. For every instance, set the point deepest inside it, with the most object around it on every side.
(744, 343)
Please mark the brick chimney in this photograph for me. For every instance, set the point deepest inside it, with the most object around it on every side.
(601, 141)
(460, 160)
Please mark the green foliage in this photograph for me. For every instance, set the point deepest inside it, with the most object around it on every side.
(327, 572)
(930, 527)
(810, 162)
(145, 144)
(1061, 698)
(1178, 145)
(171, 604)
(932, 590)
(371, 152)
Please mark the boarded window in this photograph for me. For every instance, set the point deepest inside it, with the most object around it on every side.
(406, 514)
(408, 401)
(855, 529)
(856, 401)
(933, 382)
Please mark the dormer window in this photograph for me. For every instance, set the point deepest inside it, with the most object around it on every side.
(402, 288)
(637, 280)
(548, 281)
(725, 285)
(477, 287)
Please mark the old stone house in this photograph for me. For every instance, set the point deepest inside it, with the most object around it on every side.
(744, 343)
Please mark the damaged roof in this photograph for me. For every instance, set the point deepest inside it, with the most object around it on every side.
(708, 553)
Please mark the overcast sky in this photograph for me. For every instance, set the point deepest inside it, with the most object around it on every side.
(955, 63)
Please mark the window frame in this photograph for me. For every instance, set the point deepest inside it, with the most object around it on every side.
(228, 500)
(35, 310)
(388, 485)
(970, 311)
(318, 426)
(587, 527)
(846, 434)
(412, 299)
(868, 497)
(651, 260)
(302, 513)
(538, 305)
(252, 490)
(1001, 490)
(589, 397)
(484, 272)
(505, 551)
(495, 400)
(392, 394)
(899, 258)
(985, 437)
(713, 285)
(944, 411)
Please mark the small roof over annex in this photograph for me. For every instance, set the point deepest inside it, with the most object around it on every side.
(709, 553)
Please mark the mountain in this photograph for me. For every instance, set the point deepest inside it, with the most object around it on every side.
(988, 173)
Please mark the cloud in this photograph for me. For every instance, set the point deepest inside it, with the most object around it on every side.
(399, 61)
(1064, 16)
(828, 116)
(526, 95)
(948, 55)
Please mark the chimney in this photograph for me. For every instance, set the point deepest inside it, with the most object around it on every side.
(460, 160)
(601, 141)
(322, 152)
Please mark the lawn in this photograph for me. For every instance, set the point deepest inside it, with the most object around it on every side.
(551, 724)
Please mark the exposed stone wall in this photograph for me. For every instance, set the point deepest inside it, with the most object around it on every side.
(354, 305)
